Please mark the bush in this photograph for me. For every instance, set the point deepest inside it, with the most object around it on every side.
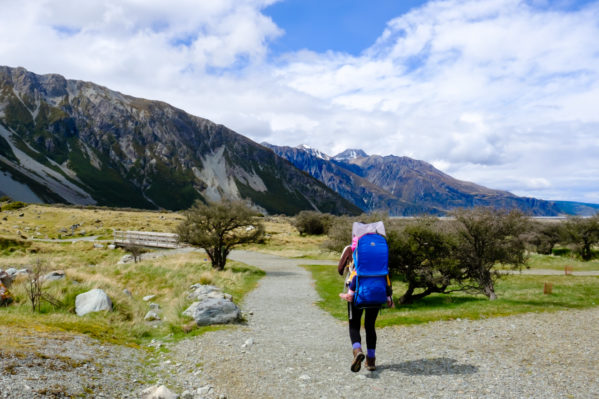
(13, 205)
(485, 237)
(312, 222)
(582, 234)
(421, 254)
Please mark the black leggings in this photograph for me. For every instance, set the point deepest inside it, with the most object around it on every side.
(355, 316)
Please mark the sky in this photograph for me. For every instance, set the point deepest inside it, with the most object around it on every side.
(504, 93)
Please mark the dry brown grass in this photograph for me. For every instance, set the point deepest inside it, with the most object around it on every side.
(44, 221)
(284, 240)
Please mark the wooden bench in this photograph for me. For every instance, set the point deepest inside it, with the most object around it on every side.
(146, 239)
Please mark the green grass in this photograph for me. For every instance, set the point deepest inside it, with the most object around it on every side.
(168, 278)
(517, 294)
(536, 261)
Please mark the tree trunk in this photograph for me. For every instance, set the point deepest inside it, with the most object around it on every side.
(489, 291)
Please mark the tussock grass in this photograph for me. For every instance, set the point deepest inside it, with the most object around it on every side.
(517, 294)
(86, 268)
(43, 221)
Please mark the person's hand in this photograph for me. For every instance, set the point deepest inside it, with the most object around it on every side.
(346, 297)
(390, 302)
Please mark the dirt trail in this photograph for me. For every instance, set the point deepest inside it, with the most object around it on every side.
(292, 349)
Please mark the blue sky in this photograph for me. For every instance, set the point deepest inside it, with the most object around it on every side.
(503, 93)
(338, 25)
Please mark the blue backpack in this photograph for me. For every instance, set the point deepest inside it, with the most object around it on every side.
(371, 263)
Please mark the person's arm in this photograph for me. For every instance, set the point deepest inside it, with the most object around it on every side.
(345, 259)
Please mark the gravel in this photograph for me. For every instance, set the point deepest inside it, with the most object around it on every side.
(290, 348)
(299, 351)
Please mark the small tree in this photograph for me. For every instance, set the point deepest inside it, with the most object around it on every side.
(583, 233)
(422, 254)
(544, 236)
(136, 251)
(218, 227)
(486, 237)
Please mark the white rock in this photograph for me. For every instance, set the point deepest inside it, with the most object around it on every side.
(151, 316)
(92, 301)
(248, 342)
(213, 311)
(148, 297)
(304, 377)
(111, 246)
(158, 392)
(55, 275)
(127, 292)
(99, 246)
(11, 271)
(186, 395)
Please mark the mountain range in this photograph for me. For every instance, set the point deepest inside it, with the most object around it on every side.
(404, 186)
(77, 142)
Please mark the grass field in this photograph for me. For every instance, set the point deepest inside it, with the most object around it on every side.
(168, 278)
(517, 294)
(53, 222)
(87, 267)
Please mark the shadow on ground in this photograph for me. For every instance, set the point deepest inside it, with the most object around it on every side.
(436, 366)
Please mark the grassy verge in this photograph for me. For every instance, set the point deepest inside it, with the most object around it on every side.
(517, 294)
(86, 267)
(536, 261)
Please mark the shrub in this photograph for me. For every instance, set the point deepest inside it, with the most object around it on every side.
(485, 237)
(312, 222)
(421, 253)
(582, 234)
(13, 205)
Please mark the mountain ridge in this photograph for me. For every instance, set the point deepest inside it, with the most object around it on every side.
(404, 186)
(69, 138)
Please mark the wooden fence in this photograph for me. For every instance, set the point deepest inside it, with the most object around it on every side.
(146, 239)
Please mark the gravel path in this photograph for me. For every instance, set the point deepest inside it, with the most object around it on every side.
(292, 349)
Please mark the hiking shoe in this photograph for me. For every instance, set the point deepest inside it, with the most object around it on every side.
(357, 363)
(370, 366)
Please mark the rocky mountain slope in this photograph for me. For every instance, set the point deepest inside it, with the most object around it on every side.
(405, 186)
(77, 142)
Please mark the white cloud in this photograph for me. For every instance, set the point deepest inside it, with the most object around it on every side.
(497, 91)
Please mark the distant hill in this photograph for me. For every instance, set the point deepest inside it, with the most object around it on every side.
(76, 142)
(405, 186)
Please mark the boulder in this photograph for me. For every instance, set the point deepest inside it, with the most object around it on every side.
(148, 298)
(127, 292)
(111, 246)
(158, 392)
(55, 275)
(11, 271)
(98, 246)
(92, 301)
(152, 315)
(5, 296)
(213, 311)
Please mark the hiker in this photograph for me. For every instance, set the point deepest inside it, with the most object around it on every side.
(373, 270)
